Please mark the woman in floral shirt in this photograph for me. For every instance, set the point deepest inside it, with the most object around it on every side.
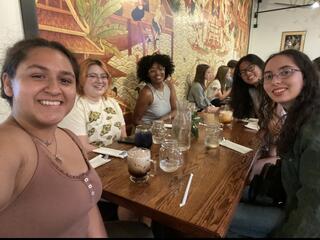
(95, 118)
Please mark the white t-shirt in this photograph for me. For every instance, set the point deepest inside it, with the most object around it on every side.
(213, 89)
(100, 121)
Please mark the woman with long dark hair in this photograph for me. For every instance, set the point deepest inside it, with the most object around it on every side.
(291, 80)
(197, 91)
(246, 87)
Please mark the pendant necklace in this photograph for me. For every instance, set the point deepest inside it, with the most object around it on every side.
(46, 144)
(54, 155)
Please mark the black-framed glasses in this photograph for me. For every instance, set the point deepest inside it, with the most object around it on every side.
(282, 74)
(95, 77)
(250, 68)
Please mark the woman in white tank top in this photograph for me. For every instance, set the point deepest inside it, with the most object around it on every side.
(157, 99)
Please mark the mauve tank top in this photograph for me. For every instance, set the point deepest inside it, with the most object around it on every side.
(54, 203)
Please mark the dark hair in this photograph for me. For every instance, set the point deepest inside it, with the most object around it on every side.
(19, 51)
(200, 73)
(146, 63)
(241, 102)
(306, 103)
(316, 61)
(232, 63)
(221, 75)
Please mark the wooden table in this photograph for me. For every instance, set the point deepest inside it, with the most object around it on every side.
(219, 177)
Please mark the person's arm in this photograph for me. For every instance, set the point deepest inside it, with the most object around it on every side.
(199, 97)
(85, 143)
(144, 100)
(173, 104)
(123, 131)
(304, 219)
(96, 227)
(10, 163)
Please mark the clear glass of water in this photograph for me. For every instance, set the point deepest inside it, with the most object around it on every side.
(170, 157)
(213, 136)
(158, 131)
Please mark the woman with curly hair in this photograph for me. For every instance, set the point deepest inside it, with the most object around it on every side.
(246, 87)
(291, 80)
(157, 99)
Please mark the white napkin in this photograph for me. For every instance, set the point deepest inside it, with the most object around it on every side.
(252, 125)
(98, 161)
(168, 125)
(237, 147)
(111, 152)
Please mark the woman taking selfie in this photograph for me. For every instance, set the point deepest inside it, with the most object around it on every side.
(47, 188)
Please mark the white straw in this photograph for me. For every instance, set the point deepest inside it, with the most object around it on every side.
(187, 191)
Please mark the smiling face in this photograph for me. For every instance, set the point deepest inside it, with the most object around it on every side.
(44, 87)
(250, 73)
(283, 80)
(208, 75)
(96, 84)
(156, 74)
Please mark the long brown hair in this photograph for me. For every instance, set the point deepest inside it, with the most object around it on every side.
(306, 104)
(84, 67)
(200, 73)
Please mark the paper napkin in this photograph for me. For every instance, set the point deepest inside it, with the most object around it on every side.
(252, 125)
(98, 161)
(168, 125)
(111, 152)
(237, 147)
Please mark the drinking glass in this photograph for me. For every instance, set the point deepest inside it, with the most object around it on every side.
(143, 136)
(213, 136)
(170, 157)
(225, 115)
(158, 131)
(139, 162)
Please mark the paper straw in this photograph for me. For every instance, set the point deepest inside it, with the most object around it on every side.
(185, 196)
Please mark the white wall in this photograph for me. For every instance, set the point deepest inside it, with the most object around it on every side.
(11, 30)
(266, 38)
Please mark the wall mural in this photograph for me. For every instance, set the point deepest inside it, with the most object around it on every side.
(122, 31)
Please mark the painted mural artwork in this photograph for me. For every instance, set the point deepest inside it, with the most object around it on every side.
(120, 32)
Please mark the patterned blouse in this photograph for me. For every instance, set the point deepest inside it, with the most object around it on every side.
(101, 121)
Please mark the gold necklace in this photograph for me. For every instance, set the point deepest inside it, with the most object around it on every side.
(45, 143)
(55, 155)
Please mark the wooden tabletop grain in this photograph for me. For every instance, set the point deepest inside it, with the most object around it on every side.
(219, 177)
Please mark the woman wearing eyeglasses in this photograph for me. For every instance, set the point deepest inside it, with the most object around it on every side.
(157, 99)
(246, 87)
(95, 118)
(291, 80)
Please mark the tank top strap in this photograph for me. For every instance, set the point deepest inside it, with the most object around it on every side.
(77, 141)
(151, 87)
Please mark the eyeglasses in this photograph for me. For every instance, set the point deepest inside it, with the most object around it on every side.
(282, 74)
(154, 70)
(250, 68)
(95, 77)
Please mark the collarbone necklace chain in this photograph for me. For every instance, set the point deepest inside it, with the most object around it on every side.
(46, 143)
(55, 155)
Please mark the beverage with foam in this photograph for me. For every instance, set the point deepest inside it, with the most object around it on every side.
(139, 161)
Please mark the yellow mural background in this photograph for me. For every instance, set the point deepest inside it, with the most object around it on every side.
(191, 31)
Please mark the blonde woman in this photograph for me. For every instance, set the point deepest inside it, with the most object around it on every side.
(95, 118)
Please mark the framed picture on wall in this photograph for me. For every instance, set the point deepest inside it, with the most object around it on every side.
(293, 40)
